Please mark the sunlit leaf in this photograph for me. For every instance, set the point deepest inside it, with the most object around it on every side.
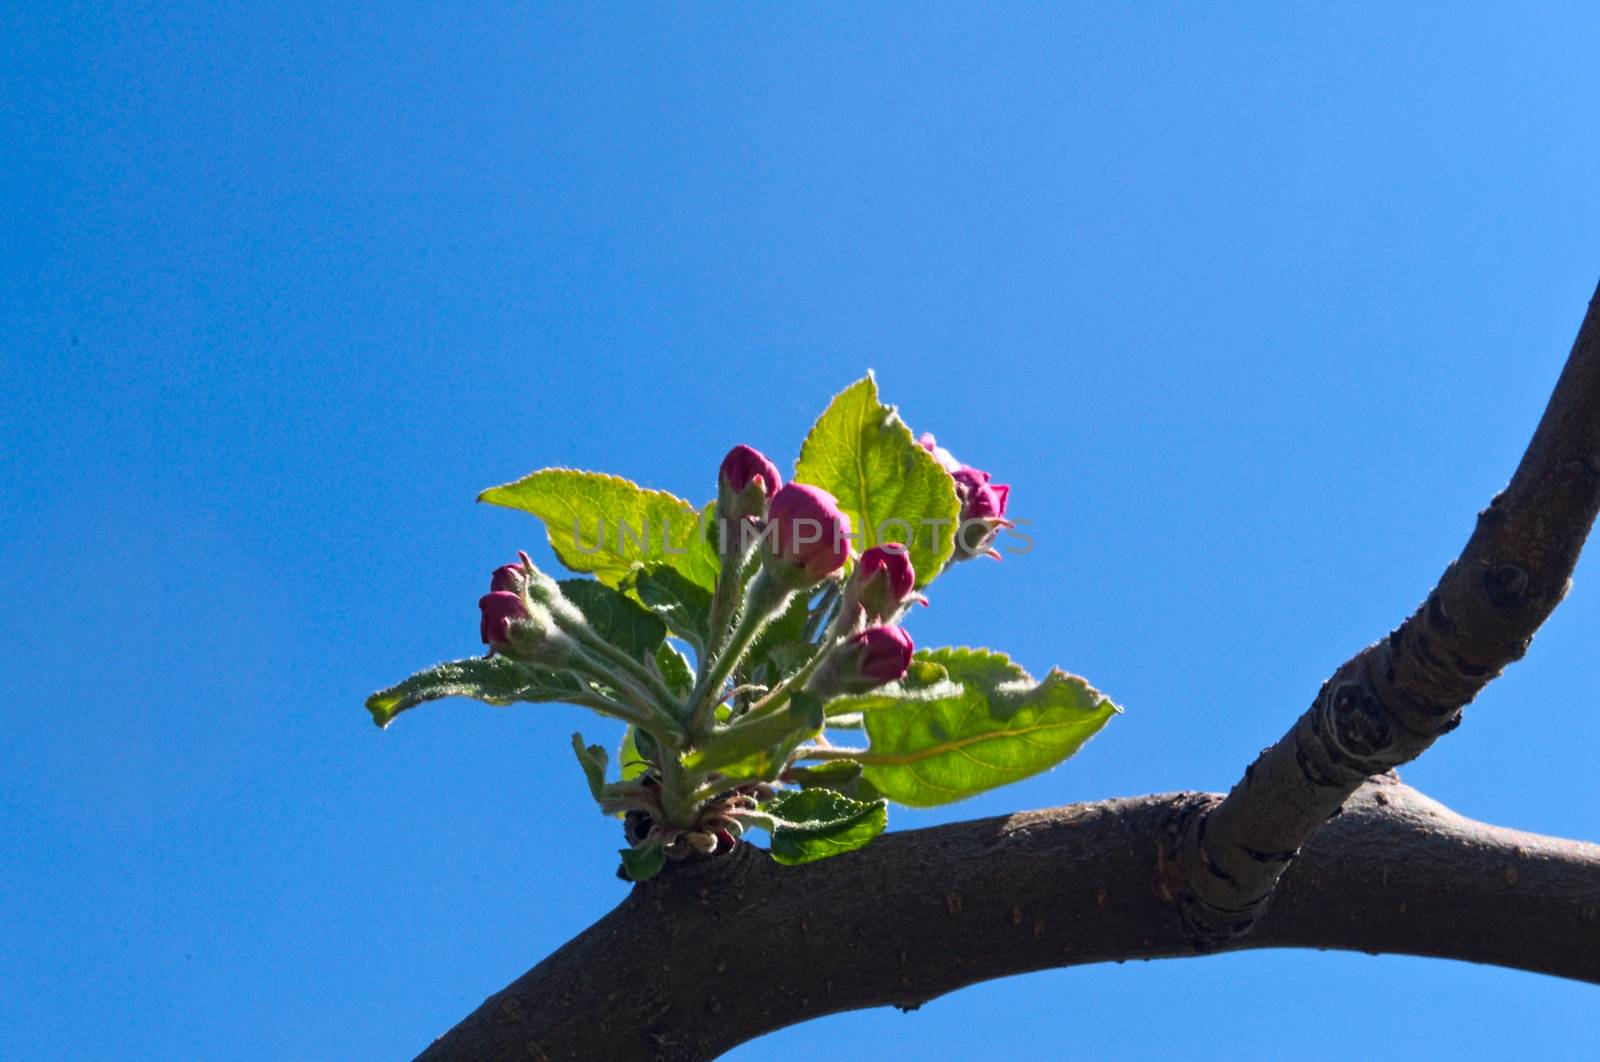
(675, 670)
(685, 606)
(608, 526)
(892, 489)
(494, 680)
(814, 824)
(619, 620)
(593, 760)
(968, 720)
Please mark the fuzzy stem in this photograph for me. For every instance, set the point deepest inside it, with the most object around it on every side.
(679, 804)
(819, 616)
(735, 559)
(650, 683)
(646, 710)
(764, 599)
(829, 752)
(779, 694)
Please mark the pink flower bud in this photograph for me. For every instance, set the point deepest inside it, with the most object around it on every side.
(745, 484)
(501, 609)
(882, 654)
(863, 662)
(893, 561)
(980, 499)
(807, 538)
(983, 504)
(879, 588)
(507, 577)
(744, 465)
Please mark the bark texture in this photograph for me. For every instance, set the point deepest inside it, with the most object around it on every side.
(1389, 703)
(709, 956)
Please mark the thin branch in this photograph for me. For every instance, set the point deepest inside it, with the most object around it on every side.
(828, 752)
(711, 955)
(1389, 703)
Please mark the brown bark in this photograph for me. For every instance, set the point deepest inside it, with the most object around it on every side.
(709, 956)
(1389, 703)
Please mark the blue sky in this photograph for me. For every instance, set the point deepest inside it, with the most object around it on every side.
(1253, 308)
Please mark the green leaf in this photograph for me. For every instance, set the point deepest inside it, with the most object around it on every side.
(747, 757)
(817, 823)
(780, 643)
(830, 774)
(593, 760)
(496, 680)
(756, 751)
(634, 758)
(842, 776)
(968, 720)
(675, 670)
(607, 525)
(620, 621)
(702, 564)
(863, 453)
(806, 709)
(642, 864)
(682, 604)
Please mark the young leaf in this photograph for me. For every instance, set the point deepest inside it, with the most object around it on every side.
(642, 864)
(968, 721)
(701, 564)
(755, 755)
(495, 680)
(755, 750)
(842, 776)
(675, 670)
(817, 823)
(607, 525)
(831, 774)
(892, 489)
(682, 604)
(593, 760)
(780, 648)
(615, 618)
(634, 758)
(787, 629)
(923, 681)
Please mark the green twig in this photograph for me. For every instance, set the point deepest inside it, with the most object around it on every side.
(829, 752)
(763, 600)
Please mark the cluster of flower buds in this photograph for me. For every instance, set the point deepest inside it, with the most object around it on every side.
(805, 541)
(983, 504)
(526, 617)
(871, 650)
(503, 606)
(517, 618)
(784, 549)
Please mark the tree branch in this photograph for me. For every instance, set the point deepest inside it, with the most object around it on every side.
(1389, 703)
(710, 955)
(714, 954)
